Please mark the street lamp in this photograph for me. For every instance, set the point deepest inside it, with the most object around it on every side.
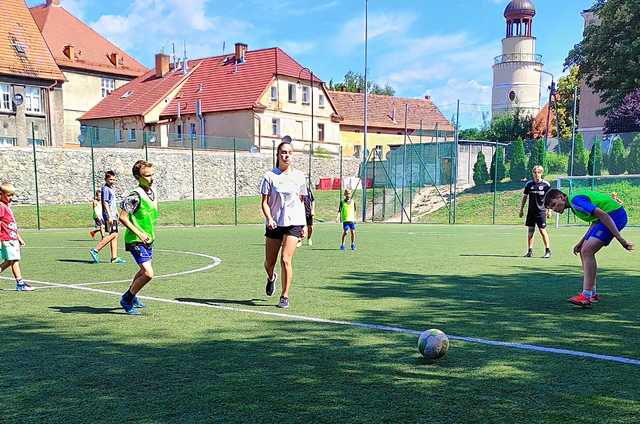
(312, 122)
(552, 90)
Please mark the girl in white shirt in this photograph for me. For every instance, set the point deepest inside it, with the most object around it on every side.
(282, 189)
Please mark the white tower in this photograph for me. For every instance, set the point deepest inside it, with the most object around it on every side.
(516, 73)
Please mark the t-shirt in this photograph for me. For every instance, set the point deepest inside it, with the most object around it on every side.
(8, 226)
(584, 203)
(131, 202)
(109, 197)
(347, 210)
(308, 200)
(536, 192)
(284, 190)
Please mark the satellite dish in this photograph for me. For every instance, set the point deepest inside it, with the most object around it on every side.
(18, 99)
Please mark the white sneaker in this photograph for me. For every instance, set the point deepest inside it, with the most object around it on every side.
(23, 287)
(310, 242)
(299, 243)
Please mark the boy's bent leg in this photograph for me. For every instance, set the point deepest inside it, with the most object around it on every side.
(143, 276)
(102, 243)
(589, 265)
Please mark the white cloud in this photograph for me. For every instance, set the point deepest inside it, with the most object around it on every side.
(75, 7)
(296, 47)
(155, 24)
(293, 7)
(380, 25)
(475, 99)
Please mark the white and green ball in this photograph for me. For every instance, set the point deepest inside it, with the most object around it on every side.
(433, 344)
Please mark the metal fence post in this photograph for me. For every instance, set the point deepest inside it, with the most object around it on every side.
(35, 174)
(373, 189)
(404, 161)
(235, 183)
(495, 180)
(193, 180)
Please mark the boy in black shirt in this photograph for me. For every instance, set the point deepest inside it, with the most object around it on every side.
(537, 214)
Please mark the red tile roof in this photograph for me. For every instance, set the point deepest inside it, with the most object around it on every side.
(138, 97)
(19, 31)
(213, 80)
(92, 51)
(222, 86)
(350, 106)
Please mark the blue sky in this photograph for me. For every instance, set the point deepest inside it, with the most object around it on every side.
(441, 48)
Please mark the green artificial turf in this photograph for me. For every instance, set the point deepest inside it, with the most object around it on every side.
(73, 356)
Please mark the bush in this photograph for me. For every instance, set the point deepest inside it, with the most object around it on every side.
(616, 163)
(633, 160)
(556, 163)
(480, 173)
(501, 171)
(537, 155)
(594, 167)
(579, 158)
(517, 169)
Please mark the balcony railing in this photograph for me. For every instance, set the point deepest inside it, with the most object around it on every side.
(518, 57)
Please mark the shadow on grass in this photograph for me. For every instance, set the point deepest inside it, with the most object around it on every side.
(285, 372)
(86, 310)
(488, 255)
(248, 302)
(77, 261)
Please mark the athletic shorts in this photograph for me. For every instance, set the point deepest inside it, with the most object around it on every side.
(279, 233)
(309, 220)
(99, 222)
(599, 231)
(538, 219)
(9, 250)
(348, 225)
(111, 229)
(141, 252)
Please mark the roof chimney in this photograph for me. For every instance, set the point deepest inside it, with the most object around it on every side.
(53, 3)
(427, 97)
(113, 58)
(69, 51)
(241, 52)
(162, 65)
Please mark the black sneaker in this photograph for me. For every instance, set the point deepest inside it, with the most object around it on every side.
(529, 254)
(547, 254)
(271, 285)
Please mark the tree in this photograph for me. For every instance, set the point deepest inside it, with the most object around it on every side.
(536, 157)
(354, 83)
(625, 118)
(633, 160)
(608, 54)
(508, 127)
(480, 173)
(564, 106)
(579, 158)
(501, 171)
(616, 164)
(594, 166)
(517, 170)
(473, 134)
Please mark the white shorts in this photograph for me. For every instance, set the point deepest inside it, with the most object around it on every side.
(9, 250)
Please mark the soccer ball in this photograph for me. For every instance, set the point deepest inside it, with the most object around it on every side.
(433, 344)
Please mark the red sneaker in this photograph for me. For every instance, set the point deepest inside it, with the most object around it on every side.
(580, 300)
(595, 298)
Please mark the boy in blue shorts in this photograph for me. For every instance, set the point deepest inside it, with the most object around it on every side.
(607, 218)
(139, 214)
(347, 211)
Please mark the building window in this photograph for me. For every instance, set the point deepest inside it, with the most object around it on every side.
(192, 130)
(107, 85)
(305, 95)
(275, 127)
(292, 93)
(274, 93)
(132, 135)
(356, 151)
(5, 97)
(321, 101)
(33, 99)
(320, 132)
(179, 132)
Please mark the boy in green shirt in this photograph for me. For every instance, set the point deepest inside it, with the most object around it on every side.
(139, 214)
(606, 216)
(347, 211)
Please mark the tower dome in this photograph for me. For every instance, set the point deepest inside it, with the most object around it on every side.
(519, 9)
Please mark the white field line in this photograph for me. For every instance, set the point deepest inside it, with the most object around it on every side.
(215, 261)
(368, 326)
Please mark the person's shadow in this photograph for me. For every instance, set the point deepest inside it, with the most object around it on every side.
(76, 261)
(85, 310)
(248, 302)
